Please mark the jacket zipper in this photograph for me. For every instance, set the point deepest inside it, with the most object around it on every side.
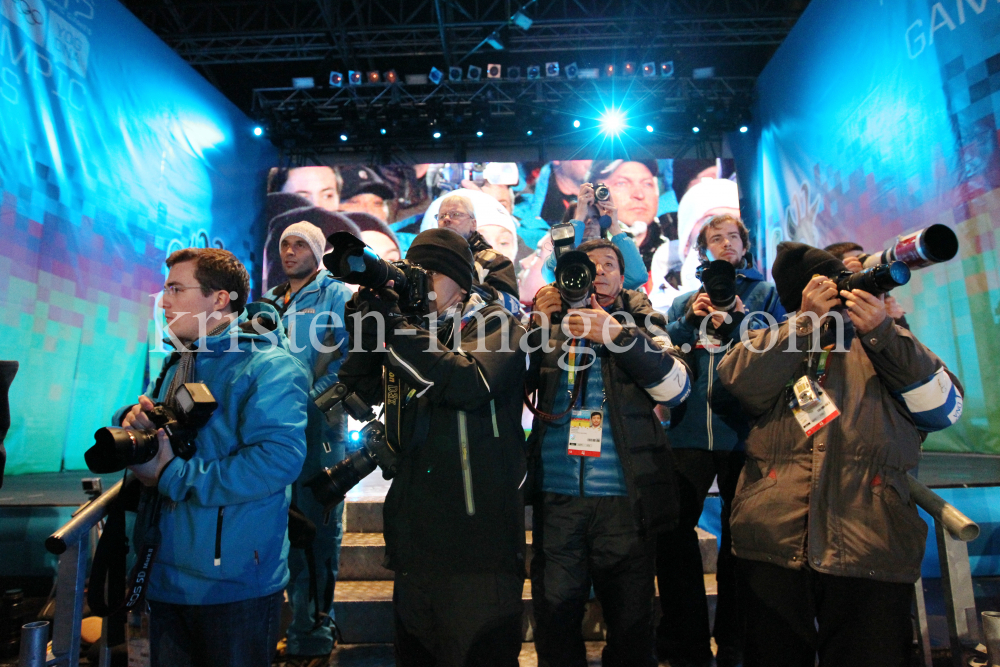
(708, 400)
(218, 537)
(463, 444)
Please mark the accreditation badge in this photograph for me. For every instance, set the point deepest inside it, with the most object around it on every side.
(819, 414)
(585, 429)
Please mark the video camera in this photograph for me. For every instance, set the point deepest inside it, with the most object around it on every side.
(331, 485)
(575, 281)
(117, 448)
(352, 261)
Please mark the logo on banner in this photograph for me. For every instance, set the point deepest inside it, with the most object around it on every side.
(28, 15)
(800, 217)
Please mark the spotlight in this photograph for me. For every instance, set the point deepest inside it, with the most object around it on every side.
(454, 73)
(612, 122)
(479, 133)
(572, 70)
(530, 133)
(609, 70)
(521, 21)
(703, 73)
(744, 129)
(514, 73)
(355, 436)
(629, 68)
(534, 72)
(649, 128)
(649, 69)
(576, 123)
(696, 129)
(258, 131)
(382, 131)
(354, 78)
(437, 135)
(303, 82)
(493, 71)
(474, 73)
(667, 68)
(391, 76)
(435, 76)
(336, 79)
(494, 41)
(343, 137)
(373, 76)
(551, 69)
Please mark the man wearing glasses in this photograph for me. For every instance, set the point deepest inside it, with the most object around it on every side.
(220, 519)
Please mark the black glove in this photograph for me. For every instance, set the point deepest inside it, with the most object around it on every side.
(383, 301)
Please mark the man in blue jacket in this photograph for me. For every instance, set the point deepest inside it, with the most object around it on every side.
(311, 306)
(220, 519)
(708, 434)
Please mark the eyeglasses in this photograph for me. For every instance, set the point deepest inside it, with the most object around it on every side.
(172, 290)
(457, 217)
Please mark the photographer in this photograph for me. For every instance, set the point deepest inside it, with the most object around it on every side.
(598, 509)
(220, 519)
(311, 306)
(849, 253)
(828, 539)
(708, 434)
(454, 514)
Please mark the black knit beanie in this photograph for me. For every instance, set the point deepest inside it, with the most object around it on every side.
(443, 251)
(794, 266)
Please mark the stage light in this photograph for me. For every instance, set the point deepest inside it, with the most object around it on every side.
(343, 137)
(534, 72)
(336, 79)
(649, 69)
(474, 73)
(576, 123)
(530, 133)
(696, 129)
(479, 133)
(667, 68)
(702, 72)
(521, 21)
(437, 135)
(744, 129)
(454, 73)
(612, 122)
(355, 436)
(416, 79)
(373, 76)
(609, 70)
(514, 73)
(494, 41)
(551, 69)
(354, 78)
(382, 131)
(493, 71)
(435, 76)
(391, 76)
(258, 131)
(629, 68)
(303, 82)
(649, 128)
(572, 70)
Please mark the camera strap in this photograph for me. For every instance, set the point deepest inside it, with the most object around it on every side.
(139, 581)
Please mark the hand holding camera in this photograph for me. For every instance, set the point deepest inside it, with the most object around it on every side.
(594, 202)
(865, 310)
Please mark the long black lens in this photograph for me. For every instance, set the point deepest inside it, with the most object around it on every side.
(877, 279)
(331, 485)
(117, 448)
(354, 262)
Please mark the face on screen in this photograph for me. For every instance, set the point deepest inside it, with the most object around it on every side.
(368, 203)
(317, 184)
(501, 239)
(383, 246)
(635, 191)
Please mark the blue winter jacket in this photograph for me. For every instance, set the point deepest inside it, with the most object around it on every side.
(224, 513)
(712, 418)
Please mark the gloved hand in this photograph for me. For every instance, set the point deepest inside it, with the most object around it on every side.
(383, 301)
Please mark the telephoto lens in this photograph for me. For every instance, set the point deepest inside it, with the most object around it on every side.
(719, 280)
(875, 280)
(331, 485)
(575, 281)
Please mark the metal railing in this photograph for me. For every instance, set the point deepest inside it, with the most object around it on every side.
(72, 544)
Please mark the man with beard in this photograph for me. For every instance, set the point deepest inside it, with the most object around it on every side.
(311, 305)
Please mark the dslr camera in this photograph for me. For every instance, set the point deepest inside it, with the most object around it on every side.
(875, 280)
(117, 448)
(575, 281)
(601, 194)
(718, 277)
(352, 261)
(331, 485)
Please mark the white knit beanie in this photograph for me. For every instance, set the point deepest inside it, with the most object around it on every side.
(312, 235)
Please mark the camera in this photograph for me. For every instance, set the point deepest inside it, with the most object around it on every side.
(352, 261)
(117, 448)
(601, 192)
(719, 280)
(875, 280)
(331, 485)
(574, 280)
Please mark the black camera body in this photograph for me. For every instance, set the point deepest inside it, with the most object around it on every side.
(875, 280)
(352, 261)
(575, 274)
(117, 448)
(601, 192)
